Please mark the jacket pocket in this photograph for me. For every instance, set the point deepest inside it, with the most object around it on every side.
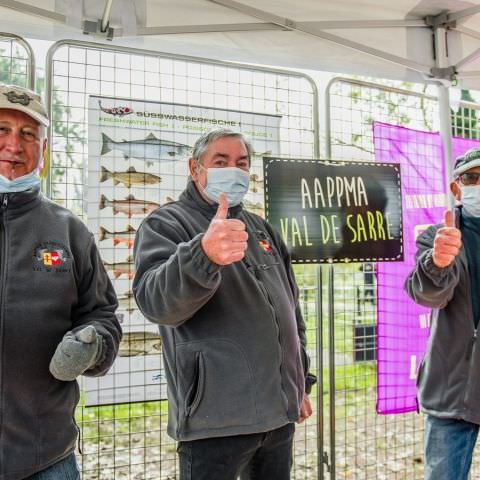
(215, 386)
(194, 393)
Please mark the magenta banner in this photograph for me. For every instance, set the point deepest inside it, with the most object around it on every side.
(403, 326)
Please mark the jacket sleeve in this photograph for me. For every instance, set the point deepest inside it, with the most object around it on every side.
(174, 278)
(96, 306)
(427, 284)
(310, 378)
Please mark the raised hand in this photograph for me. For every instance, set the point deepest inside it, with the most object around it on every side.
(447, 243)
(225, 241)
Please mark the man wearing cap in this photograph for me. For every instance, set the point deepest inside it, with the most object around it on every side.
(446, 278)
(57, 305)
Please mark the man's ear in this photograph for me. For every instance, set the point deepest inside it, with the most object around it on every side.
(193, 168)
(456, 191)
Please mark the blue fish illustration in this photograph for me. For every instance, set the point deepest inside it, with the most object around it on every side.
(150, 148)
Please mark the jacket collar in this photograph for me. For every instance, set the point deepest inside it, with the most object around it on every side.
(192, 197)
(17, 200)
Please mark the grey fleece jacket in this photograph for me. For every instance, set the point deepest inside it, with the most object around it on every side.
(448, 381)
(233, 337)
(51, 281)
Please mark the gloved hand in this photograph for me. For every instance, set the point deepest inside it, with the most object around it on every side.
(76, 353)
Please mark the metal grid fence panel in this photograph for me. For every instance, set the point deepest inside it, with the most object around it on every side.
(129, 441)
(17, 64)
(366, 445)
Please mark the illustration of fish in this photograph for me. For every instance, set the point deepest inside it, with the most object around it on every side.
(150, 148)
(121, 268)
(126, 236)
(126, 302)
(255, 183)
(139, 343)
(129, 178)
(116, 111)
(130, 206)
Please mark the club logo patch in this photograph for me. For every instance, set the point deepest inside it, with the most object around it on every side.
(265, 245)
(14, 97)
(264, 242)
(52, 257)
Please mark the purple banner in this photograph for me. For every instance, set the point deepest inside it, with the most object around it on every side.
(403, 326)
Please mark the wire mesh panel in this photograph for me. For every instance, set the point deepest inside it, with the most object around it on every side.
(365, 445)
(17, 64)
(128, 440)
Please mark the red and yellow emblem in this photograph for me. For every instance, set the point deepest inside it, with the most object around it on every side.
(265, 245)
(52, 258)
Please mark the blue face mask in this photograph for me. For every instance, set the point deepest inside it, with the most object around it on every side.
(232, 181)
(19, 184)
(471, 200)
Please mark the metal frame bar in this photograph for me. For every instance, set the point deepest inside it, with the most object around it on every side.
(214, 28)
(467, 12)
(467, 31)
(473, 74)
(260, 26)
(107, 12)
(31, 56)
(468, 59)
(441, 61)
(319, 342)
(318, 33)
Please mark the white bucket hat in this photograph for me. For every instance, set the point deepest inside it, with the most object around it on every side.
(24, 100)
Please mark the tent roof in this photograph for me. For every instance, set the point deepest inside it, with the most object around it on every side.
(365, 37)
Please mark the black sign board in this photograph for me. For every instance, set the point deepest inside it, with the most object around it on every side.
(335, 211)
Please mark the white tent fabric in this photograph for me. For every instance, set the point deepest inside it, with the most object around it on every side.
(369, 37)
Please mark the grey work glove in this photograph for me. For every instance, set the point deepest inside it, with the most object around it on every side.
(76, 353)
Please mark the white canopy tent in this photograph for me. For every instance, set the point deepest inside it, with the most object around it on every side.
(424, 41)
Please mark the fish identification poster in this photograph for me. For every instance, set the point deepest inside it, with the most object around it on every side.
(138, 160)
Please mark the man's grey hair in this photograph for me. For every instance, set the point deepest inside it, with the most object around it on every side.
(202, 144)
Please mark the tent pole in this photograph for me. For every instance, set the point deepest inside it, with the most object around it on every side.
(446, 135)
(441, 61)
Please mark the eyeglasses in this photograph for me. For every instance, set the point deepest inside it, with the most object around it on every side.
(469, 178)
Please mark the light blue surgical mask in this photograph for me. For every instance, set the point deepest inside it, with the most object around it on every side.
(19, 184)
(232, 181)
(471, 200)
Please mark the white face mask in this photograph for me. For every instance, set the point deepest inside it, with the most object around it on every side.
(19, 184)
(471, 200)
(232, 181)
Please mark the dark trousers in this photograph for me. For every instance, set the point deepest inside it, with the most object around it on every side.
(259, 456)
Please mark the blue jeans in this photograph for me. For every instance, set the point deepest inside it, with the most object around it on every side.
(258, 456)
(449, 445)
(66, 469)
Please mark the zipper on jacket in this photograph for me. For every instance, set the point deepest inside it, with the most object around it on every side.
(3, 269)
(256, 269)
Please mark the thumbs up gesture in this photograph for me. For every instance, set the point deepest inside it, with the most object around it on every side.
(225, 240)
(447, 243)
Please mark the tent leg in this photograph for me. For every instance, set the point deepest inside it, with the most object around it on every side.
(441, 61)
(446, 135)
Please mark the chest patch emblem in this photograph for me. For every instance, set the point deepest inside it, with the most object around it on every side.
(51, 257)
(267, 248)
(264, 242)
